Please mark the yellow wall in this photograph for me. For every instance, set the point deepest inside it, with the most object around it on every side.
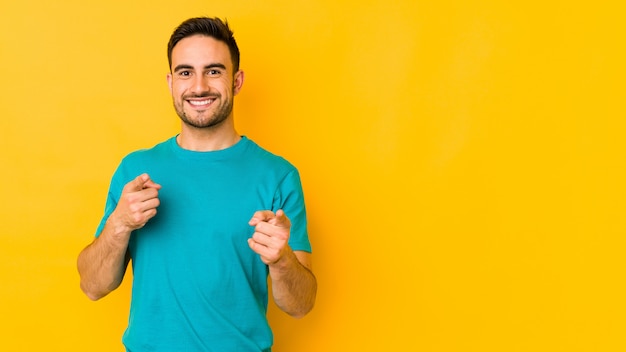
(463, 163)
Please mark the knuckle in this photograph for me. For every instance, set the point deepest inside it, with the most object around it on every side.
(134, 207)
(137, 218)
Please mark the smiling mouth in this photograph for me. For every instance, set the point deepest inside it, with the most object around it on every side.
(201, 103)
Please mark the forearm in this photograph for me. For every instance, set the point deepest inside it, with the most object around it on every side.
(102, 264)
(294, 286)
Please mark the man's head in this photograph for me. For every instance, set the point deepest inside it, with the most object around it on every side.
(204, 73)
(210, 27)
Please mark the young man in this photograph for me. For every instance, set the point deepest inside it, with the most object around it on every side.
(229, 214)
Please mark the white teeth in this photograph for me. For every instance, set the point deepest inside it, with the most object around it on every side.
(200, 102)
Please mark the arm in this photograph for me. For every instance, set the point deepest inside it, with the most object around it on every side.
(102, 264)
(293, 284)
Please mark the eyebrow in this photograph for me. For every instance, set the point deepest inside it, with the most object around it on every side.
(189, 67)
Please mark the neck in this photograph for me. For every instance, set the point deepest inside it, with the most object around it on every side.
(207, 139)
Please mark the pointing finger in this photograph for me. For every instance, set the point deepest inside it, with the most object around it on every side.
(259, 216)
(151, 184)
(141, 182)
(280, 220)
(137, 184)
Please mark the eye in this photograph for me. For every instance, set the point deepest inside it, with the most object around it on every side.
(214, 72)
(184, 73)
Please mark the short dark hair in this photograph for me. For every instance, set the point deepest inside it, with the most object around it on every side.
(210, 27)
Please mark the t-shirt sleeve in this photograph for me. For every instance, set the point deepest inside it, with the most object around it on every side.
(115, 190)
(290, 198)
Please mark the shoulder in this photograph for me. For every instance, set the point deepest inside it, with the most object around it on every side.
(138, 161)
(146, 154)
(265, 157)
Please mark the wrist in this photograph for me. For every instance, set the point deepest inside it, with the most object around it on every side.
(117, 229)
(284, 261)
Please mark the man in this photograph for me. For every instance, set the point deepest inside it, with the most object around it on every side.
(229, 214)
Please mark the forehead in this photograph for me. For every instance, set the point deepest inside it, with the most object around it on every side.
(200, 50)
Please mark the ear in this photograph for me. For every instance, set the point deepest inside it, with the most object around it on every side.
(169, 81)
(238, 81)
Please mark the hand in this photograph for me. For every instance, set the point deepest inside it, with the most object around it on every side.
(271, 235)
(138, 202)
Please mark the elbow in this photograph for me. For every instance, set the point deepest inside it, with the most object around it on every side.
(92, 294)
(94, 291)
(300, 315)
(296, 309)
(302, 312)
(86, 285)
(94, 287)
(89, 288)
(93, 297)
(305, 308)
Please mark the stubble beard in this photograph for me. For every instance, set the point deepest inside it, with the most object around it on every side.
(217, 118)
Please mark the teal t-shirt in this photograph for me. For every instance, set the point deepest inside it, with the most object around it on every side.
(197, 285)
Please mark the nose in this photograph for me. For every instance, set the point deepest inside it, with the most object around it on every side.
(199, 85)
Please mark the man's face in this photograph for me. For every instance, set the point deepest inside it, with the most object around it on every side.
(202, 82)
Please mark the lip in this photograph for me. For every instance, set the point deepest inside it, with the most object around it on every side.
(200, 103)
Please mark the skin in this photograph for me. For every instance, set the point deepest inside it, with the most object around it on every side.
(203, 86)
(204, 76)
(102, 263)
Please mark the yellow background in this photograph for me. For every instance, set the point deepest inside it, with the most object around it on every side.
(463, 163)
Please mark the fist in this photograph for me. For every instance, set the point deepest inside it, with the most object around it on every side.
(138, 202)
(271, 235)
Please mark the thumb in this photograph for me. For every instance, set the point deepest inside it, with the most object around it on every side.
(261, 215)
(151, 184)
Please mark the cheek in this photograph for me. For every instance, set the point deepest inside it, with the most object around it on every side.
(177, 89)
(227, 85)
